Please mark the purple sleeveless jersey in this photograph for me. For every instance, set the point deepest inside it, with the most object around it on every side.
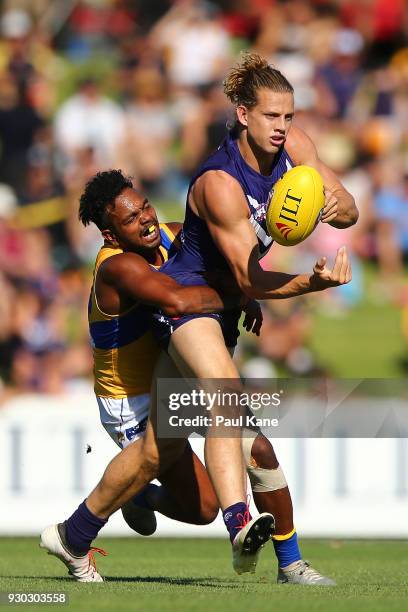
(198, 252)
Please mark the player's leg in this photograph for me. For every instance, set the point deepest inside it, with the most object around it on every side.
(199, 351)
(271, 494)
(140, 462)
(128, 472)
(71, 540)
(131, 470)
(186, 494)
(125, 420)
(267, 480)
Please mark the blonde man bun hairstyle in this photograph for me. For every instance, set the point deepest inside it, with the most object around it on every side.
(253, 73)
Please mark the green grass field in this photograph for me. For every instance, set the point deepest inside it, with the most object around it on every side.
(367, 342)
(184, 574)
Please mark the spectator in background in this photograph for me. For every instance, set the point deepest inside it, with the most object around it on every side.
(398, 69)
(391, 210)
(97, 26)
(27, 53)
(136, 53)
(195, 45)
(42, 345)
(382, 24)
(43, 203)
(150, 133)
(84, 243)
(203, 128)
(284, 30)
(241, 18)
(286, 331)
(28, 275)
(38, 339)
(339, 150)
(89, 119)
(8, 341)
(339, 79)
(43, 359)
(19, 124)
(15, 28)
(11, 238)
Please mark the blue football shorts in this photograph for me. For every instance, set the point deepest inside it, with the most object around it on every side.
(164, 326)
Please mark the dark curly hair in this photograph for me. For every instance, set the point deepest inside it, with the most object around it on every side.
(99, 193)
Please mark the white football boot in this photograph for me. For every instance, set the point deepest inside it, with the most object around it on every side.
(249, 540)
(301, 573)
(82, 568)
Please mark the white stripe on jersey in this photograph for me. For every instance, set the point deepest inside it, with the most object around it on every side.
(261, 235)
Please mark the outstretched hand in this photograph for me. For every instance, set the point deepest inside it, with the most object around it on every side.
(253, 317)
(340, 274)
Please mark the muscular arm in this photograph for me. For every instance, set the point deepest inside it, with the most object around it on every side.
(221, 203)
(340, 210)
(133, 279)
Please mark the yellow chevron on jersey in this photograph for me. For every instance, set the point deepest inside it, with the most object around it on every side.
(169, 243)
(124, 349)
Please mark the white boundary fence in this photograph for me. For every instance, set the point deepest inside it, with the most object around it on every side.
(340, 487)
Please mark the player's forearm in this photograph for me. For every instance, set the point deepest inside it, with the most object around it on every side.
(278, 285)
(347, 212)
(201, 300)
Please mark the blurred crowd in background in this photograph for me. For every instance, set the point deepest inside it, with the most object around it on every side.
(137, 85)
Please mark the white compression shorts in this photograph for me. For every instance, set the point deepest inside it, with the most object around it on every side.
(124, 419)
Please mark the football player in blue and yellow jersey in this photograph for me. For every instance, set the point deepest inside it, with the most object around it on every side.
(124, 350)
(125, 286)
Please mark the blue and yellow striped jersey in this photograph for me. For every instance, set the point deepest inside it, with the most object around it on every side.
(124, 349)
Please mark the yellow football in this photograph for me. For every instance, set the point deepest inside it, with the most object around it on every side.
(296, 205)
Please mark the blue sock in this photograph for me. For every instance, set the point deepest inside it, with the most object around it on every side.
(81, 528)
(234, 518)
(287, 551)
